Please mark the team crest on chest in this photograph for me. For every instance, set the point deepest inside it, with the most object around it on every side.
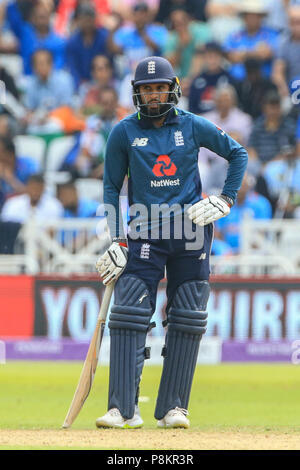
(145, 251)
(178, 138)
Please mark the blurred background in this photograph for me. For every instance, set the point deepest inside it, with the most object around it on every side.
(65, 80)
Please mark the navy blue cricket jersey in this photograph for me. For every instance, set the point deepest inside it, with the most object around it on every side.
(162, 163)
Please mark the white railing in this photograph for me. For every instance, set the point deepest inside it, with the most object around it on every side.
(63, 245)
(271, 237)
(253, 265)
(269, 247)
(17, 264)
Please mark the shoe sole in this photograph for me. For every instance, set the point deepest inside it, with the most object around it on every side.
(175, 426)
(137, 426)
(126, 426)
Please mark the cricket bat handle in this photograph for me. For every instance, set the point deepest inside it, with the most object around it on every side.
(106, 301)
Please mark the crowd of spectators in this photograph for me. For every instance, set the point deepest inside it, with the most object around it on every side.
(239, 66)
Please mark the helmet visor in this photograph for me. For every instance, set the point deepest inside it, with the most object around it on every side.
(154, 108)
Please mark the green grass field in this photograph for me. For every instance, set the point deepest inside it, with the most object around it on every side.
(225, 398)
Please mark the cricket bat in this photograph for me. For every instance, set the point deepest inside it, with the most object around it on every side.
(90, 364)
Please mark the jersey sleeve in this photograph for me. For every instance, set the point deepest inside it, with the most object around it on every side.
(14, 19)
(208, 135)
(115, 170)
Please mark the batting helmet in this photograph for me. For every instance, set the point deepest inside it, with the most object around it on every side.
(155, 70)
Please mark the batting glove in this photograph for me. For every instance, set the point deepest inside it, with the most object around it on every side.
(209, 210)
(112, 263)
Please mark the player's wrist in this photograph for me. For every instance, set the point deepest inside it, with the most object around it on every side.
(227, 199)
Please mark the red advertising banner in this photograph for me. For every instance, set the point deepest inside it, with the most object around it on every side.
(16, 306)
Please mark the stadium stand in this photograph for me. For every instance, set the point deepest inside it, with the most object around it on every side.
(70, 144)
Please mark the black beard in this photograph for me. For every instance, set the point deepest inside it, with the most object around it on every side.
(153, 112)
(156, 113)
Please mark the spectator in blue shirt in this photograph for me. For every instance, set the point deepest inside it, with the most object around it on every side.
(271, 132)
(203, 87)
(15, 171)
(36, 34)
(249, 203)
(47, 88)
(256, 41)
(139, 39)
(73, 205)
(87, 42)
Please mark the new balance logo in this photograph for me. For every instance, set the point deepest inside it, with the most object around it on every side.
(178, 138)
(202, 256)
(140, 142)
(151, 66)
(145, 251)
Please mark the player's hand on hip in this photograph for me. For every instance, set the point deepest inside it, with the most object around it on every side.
(208, 210)
(112, 263)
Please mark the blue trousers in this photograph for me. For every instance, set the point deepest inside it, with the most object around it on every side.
(149, 259)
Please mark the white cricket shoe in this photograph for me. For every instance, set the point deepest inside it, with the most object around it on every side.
(114, 419)
(175, 418)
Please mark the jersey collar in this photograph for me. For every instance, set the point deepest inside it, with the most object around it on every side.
(147, 123)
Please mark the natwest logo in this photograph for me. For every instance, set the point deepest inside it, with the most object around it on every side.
(164, 166)
(165, 182)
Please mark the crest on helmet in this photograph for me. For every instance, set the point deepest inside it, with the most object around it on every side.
(151, 66)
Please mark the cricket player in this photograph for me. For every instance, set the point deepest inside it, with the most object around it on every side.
(157, 147)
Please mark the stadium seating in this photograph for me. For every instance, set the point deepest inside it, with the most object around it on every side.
(13, 64)
(57, 150)
(31, 146)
